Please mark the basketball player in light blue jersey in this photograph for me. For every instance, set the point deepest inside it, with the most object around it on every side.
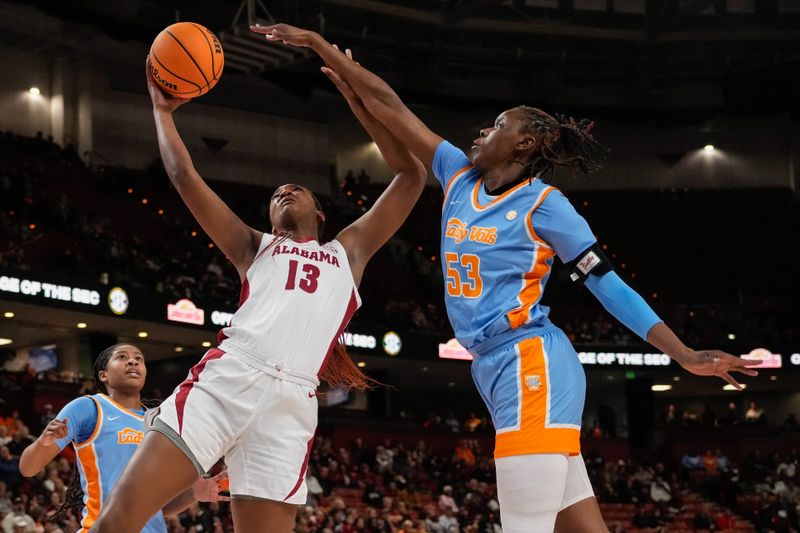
(502, 227)
(106, 429)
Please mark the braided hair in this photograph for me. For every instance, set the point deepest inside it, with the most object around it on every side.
(566, 142)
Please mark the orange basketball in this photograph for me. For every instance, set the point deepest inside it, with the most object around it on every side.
(186, 59)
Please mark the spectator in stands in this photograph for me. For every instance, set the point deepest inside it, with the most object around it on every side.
(5, 499)
(710, 463)
(11, 522)
(660, 491)
(9, 469)
(446, 500)
(196, 518)
(20, 440)
(4, 437)
(691, 460)
(672, 416)
(730, 418)
(723, 463)
(10, 422)
(755, 414)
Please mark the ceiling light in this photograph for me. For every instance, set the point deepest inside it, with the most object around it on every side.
(361, 364)
(732, 336)
(206, 344)
(34, 91)
(142, 334)
(731, 387)
(661, 388)
(3, 341)
(709, 148)
(81, 325)
(8, 314)
(179, 349)
(676, 378)
(773, 378)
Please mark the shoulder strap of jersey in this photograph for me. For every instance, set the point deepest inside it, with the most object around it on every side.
(98, 425)
(543, 194)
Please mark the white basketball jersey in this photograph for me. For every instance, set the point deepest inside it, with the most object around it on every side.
(297, 298)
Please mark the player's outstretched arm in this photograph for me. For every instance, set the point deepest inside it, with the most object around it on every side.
(378, 97)
(700, 362)
(238, 241)
(366, 235)
(569, 235)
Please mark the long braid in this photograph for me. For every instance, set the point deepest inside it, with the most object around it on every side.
(74, 496)
(566, 142)
(340, 371)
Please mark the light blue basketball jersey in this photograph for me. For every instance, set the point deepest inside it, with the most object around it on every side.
(105, 436)
(498, 251)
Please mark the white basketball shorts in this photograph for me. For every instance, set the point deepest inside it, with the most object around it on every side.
(263, 425)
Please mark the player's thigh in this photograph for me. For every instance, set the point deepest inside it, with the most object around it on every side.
(581, 517)
(253, 515)
(270, 459)
(530, 489)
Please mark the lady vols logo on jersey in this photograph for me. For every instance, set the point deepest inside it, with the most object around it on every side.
(129, 436)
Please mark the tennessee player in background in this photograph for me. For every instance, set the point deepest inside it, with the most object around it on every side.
(106, 429)
(502, 227)
(253, 398)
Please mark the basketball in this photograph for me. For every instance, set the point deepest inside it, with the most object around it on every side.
(186, 59)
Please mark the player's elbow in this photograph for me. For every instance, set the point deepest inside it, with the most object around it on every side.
(414, 173)
(27, 467)
(382, 101)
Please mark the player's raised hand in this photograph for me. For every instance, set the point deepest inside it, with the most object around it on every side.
(56, 429)
(286, 34)
(719, 363)
(161, 100)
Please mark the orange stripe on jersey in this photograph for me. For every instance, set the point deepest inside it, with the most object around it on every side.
(452, 180)
(531, 288)
(533, 436)
(477, 188)
(97, 425)
(532, 280)
(94, 489)
(529, 217)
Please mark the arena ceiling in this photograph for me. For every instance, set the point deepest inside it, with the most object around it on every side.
(630, 56)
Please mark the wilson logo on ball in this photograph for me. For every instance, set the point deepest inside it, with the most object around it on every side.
(187, 59)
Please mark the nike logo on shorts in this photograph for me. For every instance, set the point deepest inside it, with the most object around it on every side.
(112, 418)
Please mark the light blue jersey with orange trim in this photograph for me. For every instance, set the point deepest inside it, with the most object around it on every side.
(498, 251)
(105, 436)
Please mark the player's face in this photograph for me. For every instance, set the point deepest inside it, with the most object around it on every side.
(292, 205)
(125, 369)
(498, 143)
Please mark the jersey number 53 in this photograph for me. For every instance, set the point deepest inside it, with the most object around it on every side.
(471, 284)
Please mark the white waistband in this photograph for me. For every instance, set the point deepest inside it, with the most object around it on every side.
(278, 369)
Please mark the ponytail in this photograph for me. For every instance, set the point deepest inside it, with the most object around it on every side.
(566, 142)
(340, 371)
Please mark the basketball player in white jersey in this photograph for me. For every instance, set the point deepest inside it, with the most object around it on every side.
(253, 399)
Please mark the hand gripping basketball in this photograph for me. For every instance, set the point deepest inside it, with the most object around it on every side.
(211, 489)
